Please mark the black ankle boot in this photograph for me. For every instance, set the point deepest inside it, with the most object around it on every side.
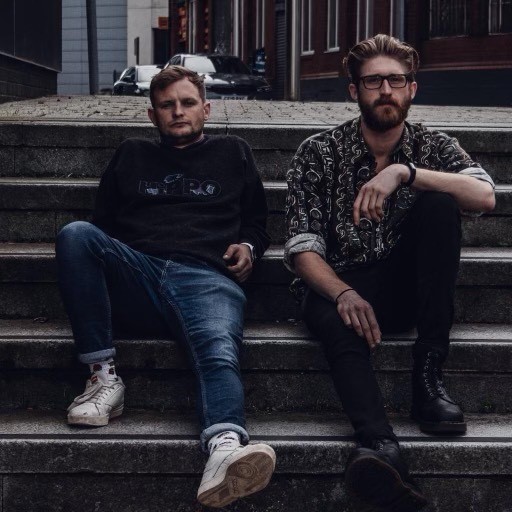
(432, 407)
(379, 477)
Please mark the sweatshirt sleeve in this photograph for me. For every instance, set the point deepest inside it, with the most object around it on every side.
(254, 210)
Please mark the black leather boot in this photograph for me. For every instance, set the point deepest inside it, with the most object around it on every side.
(378, 477)
(432, 407)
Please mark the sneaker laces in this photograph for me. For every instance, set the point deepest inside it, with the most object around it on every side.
(224, 440)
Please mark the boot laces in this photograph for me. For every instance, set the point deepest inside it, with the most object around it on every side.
(432, 376)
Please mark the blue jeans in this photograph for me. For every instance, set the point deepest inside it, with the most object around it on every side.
(108, 287)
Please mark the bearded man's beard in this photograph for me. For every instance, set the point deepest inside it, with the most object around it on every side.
(391, 115)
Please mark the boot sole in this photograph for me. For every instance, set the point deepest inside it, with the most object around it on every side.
(246, 475)
(95, 421)
(441, 427)
(375, 483)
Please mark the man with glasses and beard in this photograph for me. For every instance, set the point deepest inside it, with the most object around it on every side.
(373, 234)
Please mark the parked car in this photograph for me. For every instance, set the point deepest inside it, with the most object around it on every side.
(134, 81)
(225, 76)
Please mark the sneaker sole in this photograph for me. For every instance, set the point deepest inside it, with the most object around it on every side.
(375, 483)
(95, 421)
(248, 474)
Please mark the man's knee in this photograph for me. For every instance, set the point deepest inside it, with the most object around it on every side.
(438, 204)
(74, 235)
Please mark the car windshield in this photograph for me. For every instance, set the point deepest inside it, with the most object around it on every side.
(146, 74)
(216, 64)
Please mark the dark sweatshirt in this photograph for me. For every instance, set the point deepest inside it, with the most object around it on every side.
(195, 201)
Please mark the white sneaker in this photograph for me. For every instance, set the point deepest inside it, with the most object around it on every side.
(97, 404)
(232, 473)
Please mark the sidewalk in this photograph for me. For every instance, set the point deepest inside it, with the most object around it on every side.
(132, 110)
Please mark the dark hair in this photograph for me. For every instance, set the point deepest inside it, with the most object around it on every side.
(381, 44)
(173, 74)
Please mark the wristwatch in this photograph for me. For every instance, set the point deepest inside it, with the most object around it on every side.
(412, 177)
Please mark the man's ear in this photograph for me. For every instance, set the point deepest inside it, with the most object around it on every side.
(353, 91)
(206, 108)
(413, 88)
(151, 115)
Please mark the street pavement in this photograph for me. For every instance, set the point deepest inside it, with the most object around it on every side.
(132, 110)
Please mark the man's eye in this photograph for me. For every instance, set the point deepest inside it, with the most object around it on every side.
(396, 79)
(372, 80)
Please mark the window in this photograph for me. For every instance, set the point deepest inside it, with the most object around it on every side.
(449, 18)
(364, 19)
(500, 16)
(332, 25)
(306, 45)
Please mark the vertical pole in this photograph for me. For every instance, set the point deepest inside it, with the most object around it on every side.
(294, 92)
(92, 46)
(236, 28)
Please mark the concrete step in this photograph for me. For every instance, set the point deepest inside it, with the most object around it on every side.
(34, 209)
(150, 461)
(28, 285)
(39, 369)
(83, 149)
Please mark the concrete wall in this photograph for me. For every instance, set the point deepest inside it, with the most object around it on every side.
(142, 18)
(112, 31)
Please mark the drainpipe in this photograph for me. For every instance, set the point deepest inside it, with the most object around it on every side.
(236, 27)
(92, 46)
(294, 90)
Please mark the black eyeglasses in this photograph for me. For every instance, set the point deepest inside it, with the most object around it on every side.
(394, 81)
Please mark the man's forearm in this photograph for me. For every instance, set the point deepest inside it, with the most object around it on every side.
(318, 275)
(470, 193)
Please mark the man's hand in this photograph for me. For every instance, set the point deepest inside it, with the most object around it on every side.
(238, 259)
(358, 314)
(370, 200)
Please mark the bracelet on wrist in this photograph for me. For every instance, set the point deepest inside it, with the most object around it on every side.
(340, 294)
(412, 176)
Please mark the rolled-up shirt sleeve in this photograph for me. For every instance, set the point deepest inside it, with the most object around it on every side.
(302, 243)
(307, 207)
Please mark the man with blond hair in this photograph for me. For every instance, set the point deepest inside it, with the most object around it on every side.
(373, 233)
(176, 226)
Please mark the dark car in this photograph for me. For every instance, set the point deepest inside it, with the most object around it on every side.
(225, 76)
(134, 81)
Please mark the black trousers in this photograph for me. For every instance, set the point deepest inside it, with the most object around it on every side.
(413, 287)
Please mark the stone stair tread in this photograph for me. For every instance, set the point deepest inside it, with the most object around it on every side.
(145, 424)
(476, 349)
(273, 252)
(503, 191)
(304, 443)
(257, 331)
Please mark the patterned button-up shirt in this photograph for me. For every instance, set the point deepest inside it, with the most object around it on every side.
(325, 177)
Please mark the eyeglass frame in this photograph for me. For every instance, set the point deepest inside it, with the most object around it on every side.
(409, 77)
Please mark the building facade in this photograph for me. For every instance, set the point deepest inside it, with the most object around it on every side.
(111, 21)
(30, 48)
(465, 46)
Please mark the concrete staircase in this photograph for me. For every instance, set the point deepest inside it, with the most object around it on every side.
(149, 459)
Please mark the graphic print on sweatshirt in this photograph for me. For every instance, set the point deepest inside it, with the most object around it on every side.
(177, 185)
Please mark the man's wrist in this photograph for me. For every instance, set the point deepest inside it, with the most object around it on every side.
(251, 248)
(410, 176)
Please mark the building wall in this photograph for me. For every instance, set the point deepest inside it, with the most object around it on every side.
(111, 20)
(142, 19)
(30, 48)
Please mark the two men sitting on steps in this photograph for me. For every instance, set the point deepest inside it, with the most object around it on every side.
(176, 226)
(373, 234)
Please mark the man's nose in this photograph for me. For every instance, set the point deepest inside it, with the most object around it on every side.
(178, 110)
(385, 88)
